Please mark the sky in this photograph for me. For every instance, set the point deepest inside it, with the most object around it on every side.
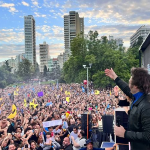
(118, 18)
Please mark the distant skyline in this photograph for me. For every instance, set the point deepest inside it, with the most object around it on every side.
(118, 18)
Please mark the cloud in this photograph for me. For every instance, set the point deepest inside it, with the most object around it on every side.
(56, 49)
(39, 15)
(35, 3)
(51, 4)
(13, 10)
(25, 3)
(11, 36)
(10, 50)
(131, 12)
(7, 5)
(83, 6)
(10, 6)
(118, 31)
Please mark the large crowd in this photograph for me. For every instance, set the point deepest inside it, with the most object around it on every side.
(23, 111)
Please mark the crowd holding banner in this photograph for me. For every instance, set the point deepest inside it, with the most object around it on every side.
(46, 116)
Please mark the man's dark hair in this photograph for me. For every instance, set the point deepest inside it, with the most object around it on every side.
(141, 79)
(19, 128)
(75, 127)
(82, 132)
(27, 129)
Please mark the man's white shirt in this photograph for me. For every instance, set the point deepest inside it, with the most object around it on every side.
(81, 142)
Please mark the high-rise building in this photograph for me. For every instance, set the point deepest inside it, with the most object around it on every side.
(143, 32)
(60, 60)
(73, 25)
(44, 55)
(119, 42)
(111, 37)
(30, 39)
(11, 62)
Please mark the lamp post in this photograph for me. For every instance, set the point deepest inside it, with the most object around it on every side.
(87, 76)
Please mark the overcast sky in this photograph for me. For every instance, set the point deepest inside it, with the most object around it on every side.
(109, 17)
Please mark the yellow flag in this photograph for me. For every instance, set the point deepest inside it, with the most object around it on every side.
(17, 89)
(15, 93)
(110, 93)
(67, 93)
(33, 105)
(1, 106)
(96, 92)
(25, 103)
(67, 99)
(0, 99)
(67, 115)
(14, 112)
(61, 89)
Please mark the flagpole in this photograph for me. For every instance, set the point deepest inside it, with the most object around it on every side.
(87, 76)
(87, 82)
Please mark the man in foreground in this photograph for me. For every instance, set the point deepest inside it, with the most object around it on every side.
(139, 114)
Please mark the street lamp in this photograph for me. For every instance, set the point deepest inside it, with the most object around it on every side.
(87, 76)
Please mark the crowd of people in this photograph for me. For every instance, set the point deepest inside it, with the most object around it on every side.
(49, 117)
(23, 111)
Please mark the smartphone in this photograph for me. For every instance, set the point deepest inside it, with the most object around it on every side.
(26, 146)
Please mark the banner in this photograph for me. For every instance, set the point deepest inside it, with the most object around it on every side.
(52, 123)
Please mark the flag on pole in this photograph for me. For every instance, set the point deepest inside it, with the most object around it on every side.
(25, 103)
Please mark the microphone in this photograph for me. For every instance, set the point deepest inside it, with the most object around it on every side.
(118, 121)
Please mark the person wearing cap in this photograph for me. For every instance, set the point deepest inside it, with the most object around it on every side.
(89, 146)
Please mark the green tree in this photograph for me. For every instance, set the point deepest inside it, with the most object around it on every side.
(7, 78)
(102, 54)
(25, 69)
(45, 70)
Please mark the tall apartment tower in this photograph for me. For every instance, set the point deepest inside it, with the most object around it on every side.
(73, 25)
(30, 39)
(143, 31)
(44, 55)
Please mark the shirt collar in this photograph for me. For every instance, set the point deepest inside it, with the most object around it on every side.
(137, 95)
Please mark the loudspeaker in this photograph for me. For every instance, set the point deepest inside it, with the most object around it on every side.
(84, 118)
(107, 121)
(121, 118)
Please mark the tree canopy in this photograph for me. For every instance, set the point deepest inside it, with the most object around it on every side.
(103, 54)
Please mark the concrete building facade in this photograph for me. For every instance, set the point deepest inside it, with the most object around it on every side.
(44, 55)
(60, 60)
(73, 25)
(145, 53)
(143, 31)
(30, 39)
